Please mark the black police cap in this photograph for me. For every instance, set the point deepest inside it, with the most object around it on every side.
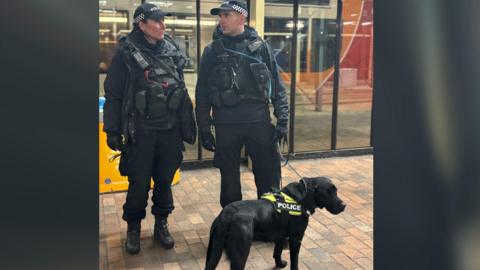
(148, 11)
(237, 6)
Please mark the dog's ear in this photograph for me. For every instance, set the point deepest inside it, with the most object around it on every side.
(296, 190)
(309, 200)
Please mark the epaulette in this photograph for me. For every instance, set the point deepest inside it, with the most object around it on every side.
(255, 44)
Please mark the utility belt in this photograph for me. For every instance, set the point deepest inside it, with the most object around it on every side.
(230, 97)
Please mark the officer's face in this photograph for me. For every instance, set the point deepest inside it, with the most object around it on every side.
(231, 22)
(154, 29)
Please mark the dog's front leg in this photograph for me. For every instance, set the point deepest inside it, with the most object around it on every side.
(277, 254)
(295, 243)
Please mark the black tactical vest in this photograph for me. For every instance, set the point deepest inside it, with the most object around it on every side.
(239, 74)
(159, 89)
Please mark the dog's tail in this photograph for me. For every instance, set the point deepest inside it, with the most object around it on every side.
(213, 259)
(218, 236)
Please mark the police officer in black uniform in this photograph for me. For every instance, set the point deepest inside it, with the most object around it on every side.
(147, 113)
(237, 79)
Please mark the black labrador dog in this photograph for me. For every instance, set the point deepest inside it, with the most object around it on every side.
(241, 222)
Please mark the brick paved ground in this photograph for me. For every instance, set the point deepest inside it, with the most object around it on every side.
(330, 242)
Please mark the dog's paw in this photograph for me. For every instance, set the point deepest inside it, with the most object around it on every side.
(281, 264)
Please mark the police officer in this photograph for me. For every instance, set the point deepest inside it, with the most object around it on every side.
(147, 113)
(237, 79)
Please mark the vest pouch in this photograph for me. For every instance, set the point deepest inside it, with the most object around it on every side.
(221, 78)
(157, 102)
(141, 102)
(175, 98)
(260, 72)
(229, 97)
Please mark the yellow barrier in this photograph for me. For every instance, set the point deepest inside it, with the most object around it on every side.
(109, 177)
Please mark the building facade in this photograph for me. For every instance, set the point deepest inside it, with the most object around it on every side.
(324, 49)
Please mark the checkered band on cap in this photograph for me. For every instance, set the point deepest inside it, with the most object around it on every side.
(240, 10)
(139, 18)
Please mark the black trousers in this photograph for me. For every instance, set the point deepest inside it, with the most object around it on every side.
(258, 139)
(157, 155)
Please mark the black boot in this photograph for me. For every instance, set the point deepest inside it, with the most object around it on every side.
(161, 233)
(132, 245)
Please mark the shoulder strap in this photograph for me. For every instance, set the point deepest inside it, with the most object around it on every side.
(218, 46)
(137, 55)
(219, 49)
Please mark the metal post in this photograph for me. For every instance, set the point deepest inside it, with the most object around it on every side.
(197, 8)
(336, 75)
(293, 72)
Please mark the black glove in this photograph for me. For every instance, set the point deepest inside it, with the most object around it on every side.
(281, 130)
(208, 141)
(114, 142)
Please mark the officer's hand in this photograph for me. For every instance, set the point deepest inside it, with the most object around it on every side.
(281, 131)
(114, 142)
(208, 141)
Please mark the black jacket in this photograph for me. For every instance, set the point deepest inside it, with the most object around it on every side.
(245, 111)
(122, 83)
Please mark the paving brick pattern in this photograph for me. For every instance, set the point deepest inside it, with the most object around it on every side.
(332, 242)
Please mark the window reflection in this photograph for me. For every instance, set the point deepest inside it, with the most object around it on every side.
(355, 89)
(112, 23)
(315, 58)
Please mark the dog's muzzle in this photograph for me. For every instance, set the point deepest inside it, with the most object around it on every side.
(339, 207)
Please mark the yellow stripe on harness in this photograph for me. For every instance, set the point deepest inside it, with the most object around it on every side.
(286, 203)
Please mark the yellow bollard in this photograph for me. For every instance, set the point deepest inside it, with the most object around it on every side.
(110, 179)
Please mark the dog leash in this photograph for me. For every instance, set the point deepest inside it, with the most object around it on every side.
(284, 143)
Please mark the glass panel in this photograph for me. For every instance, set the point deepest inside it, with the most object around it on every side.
(355, 91)
(115, 18)
(315, 65)
(278, 33)
(183, 28)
